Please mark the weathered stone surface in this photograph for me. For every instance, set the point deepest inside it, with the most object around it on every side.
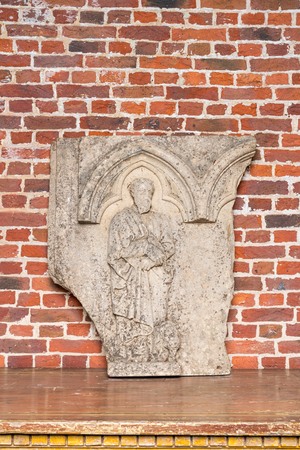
(141, 233)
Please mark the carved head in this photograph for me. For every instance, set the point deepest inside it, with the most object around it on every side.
(141, 190)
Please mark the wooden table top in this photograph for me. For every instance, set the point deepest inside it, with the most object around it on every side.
(88, 402)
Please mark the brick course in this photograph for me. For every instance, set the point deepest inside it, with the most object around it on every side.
(72, 68)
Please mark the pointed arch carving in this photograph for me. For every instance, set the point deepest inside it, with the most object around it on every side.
(198, 198)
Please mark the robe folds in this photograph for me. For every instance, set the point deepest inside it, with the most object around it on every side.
(140, 248)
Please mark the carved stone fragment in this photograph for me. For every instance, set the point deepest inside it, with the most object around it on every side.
(141, 233)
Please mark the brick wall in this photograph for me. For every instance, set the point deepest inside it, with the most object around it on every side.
(72, 68)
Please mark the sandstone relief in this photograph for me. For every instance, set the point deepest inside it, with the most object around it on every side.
(141, 233)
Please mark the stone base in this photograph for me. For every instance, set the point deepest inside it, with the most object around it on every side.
(150, 369)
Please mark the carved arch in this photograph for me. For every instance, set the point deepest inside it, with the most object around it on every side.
(199, 199)
(179, 183)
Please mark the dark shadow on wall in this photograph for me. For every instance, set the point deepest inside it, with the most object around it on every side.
(165, 3)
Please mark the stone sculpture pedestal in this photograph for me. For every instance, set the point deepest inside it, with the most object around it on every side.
(141, 233)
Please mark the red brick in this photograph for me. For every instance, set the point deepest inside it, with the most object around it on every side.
(146, 48)
(279, 18)
(249, 221)
(249, 347)
(241, 267)
(5, 76)
(138, 91)
(97, 362)
(133, 107)
(289, 346)
(54, 300)
(260, 252)
(225, 49)
(249, 93)
(278, 284)
(194, 78)
(75, 106)
(8, 250)
(27, 46)
(56, 315)
(11, 314)
(10, 185)
(89, 32)
(47, 31)
(118, 16)
(28, 76)
(200, 18)
(7, 297)
(199, 48)
(267, 315)
(10, 267)
(151, 33)
(255, 33)
(273, 363)
(285, 236)
(249, 79)
(6, 45)
(78, 329)
(75, 362)
(293, 329)
(261, 124)
(50, 122)
(172, 48)
(21, 330)
(226, 18)
(39, 203)
(65, 16)
(172, 17)
(14, 201)
(155, 123)
(9, 122)
(15, 61)
(253, 18)
(288, 267)
(212, 125)
(242, 299)
(250, 49)
(104, 123)
(22, 137)
(140, 78)
(165, 78)
(124, 48)
(248, 187)
(244, 362)
(243, 331)
(242, 109)
(34, 251)
(294, 363)
(8, 15)
(87, 76)
(178, 92)
(216, 110)
(274, 64)
(257, 236)
(17, 234)
(220, 64)
(272, 299)
(221, 78)
(92, 16)
(144, 16)
(186, 34)
(51, 331)
(263, 268)
(22, 346)
(47, 361)
(295, 251)
(36, 268)
(224, 4)
(40, 235)
(113, 3)
(19, 362)
(165, 62)
(25, 91)
(164, 108)
(274, 4)
(75, 346)
(290, 140)
(247, 283)
(45, 284)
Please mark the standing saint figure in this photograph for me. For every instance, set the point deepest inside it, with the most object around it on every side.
(140, 248)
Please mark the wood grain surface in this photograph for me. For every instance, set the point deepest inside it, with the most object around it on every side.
(88, 402)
